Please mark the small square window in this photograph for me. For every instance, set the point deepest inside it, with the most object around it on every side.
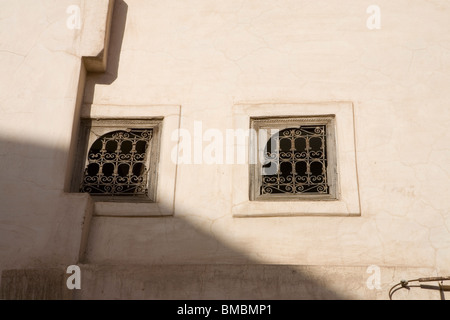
(294, 159)
(341, 196)
(118, 159)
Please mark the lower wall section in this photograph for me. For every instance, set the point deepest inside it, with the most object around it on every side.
(287, 282)
(220, 282)
(35, 284)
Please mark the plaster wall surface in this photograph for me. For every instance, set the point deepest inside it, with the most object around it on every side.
(210, 55)
(41, 87)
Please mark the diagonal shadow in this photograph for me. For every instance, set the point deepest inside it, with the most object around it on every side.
(117, 32)
(127, 258)
(213, 268)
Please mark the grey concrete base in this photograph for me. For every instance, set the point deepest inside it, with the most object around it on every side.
(35, 284)
(251, 281)
(218, 282)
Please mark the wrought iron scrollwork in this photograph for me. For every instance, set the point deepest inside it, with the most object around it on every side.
(117, 163)
(298, 163)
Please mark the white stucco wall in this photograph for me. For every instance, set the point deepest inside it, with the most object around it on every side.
(208, 56)
(41, 84)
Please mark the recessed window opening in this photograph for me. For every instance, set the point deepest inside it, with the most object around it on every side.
(298, 159)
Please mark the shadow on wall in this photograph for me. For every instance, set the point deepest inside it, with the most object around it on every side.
(170, 258)
(127, 258)
(176, 257)
(117, 32)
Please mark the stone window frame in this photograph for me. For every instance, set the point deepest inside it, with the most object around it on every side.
(347, 202)
(280, 123)
(163, 201)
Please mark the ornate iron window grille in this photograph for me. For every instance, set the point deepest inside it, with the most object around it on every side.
(116, 163)
(299, 159)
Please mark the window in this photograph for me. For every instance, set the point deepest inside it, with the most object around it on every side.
(296, 158)
(130, 148)
(300, 160)
(119, 159)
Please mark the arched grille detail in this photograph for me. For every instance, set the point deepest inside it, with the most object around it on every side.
(117, 163)
(298, 162)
